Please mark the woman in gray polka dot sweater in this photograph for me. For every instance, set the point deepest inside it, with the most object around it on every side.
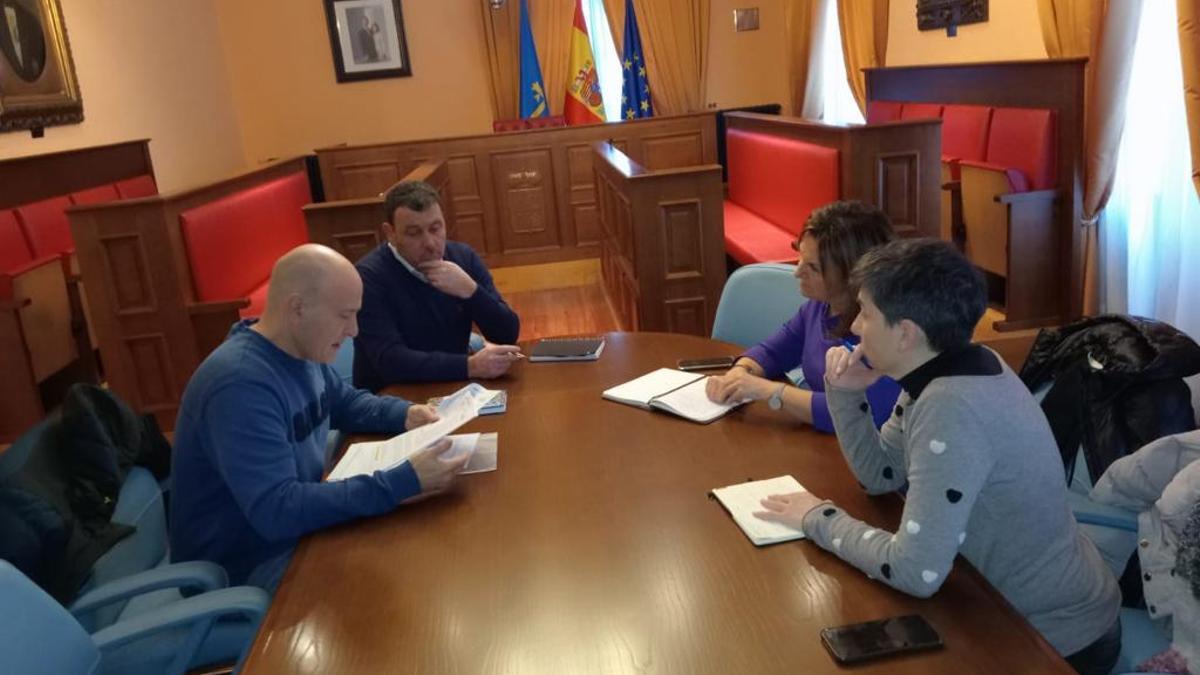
(983, 471)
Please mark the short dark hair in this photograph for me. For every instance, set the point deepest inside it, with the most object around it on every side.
(928, 282)
(844, 231)
(414, 195)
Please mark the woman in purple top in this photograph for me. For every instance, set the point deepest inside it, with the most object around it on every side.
(834, 238)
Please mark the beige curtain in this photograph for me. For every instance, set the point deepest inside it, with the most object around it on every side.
(864, 28)
(1189, 53)
(550, 21)
(803, 28)
(675, 41)
(1104, 31)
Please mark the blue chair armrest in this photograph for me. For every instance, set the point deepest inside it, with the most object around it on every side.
(195, 575)
(196, 613)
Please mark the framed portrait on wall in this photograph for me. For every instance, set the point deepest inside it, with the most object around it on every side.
(37, 74)
(367, 38)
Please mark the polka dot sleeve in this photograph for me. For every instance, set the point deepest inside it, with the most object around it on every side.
(947, 465)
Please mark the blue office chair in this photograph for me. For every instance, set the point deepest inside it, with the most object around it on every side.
(167, 640)
(132, 580)
(756, 301)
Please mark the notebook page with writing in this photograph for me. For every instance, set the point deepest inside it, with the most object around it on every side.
(642, 390)
(743, 500)
(692, 402)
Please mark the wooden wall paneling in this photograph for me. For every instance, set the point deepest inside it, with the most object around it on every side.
(352, 226)
(895, 166)
(1056, 84)
(151, 329)
(524, 197)
(665, 258)
(34, 178)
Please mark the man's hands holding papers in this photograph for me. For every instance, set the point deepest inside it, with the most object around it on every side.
(435, 471)
(789, 509)
(419, 416)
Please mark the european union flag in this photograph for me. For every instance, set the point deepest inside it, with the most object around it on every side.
(533, 90)
(635, 92)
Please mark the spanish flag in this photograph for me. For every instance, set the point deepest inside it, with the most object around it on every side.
(583, 104)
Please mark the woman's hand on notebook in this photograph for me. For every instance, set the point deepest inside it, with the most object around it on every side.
(738, 385)
(789, 509)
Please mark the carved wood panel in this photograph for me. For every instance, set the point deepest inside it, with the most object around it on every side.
(673, 150)
(151, 356)
(684, 234)
(896, 190)
(468, 203)
(528, 217)
(369, 178)
(687, 315)
(125, 265)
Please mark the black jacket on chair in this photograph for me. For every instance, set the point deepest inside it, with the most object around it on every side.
(1117, 385)
(59, 485)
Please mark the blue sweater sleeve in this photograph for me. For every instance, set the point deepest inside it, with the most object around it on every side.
(390, 357)
(495, 319)
(360, 411)
(256, 458)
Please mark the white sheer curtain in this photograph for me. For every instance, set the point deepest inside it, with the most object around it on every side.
(1150, 230)
(608, 62)
(828, 97)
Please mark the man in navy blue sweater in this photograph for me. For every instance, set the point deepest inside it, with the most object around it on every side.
(421, 294)
(250, 440)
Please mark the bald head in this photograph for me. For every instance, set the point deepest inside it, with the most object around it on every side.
(306, 271)
(312, 302)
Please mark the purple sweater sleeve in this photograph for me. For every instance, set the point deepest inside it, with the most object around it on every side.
(782, 351)
(802, 341)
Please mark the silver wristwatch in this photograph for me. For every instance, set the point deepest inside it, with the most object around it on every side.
(776, 400)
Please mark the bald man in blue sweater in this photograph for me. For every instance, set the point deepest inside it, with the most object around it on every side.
(250, 441)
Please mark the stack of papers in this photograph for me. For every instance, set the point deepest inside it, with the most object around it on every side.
(456, 410)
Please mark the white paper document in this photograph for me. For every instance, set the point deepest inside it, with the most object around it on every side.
(743, 500)
(368, 457)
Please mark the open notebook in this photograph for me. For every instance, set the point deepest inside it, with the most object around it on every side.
(673, 391)
(742, 500)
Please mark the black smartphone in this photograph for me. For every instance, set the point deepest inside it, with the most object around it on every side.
(706, 364)
(862, 641)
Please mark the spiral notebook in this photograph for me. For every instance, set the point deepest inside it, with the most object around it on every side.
(567, 349)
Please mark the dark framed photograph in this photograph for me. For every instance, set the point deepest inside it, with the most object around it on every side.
(37, 75)
(367, 38)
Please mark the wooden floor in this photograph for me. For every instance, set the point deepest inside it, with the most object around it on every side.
(568, 299)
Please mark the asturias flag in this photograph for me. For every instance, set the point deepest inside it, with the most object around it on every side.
(583, 104)
(533, 90)
(635, 90)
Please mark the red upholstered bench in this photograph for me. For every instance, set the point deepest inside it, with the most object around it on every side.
(232, 243)
(774, 184)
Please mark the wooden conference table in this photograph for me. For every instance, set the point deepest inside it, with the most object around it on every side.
(594, 548)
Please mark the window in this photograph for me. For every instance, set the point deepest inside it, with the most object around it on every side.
(608, 62)
(1150, 229)
(838, 105)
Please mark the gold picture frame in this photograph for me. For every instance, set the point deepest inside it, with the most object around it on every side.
(38, 87)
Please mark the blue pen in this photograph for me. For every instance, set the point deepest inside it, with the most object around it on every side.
(851, 346)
